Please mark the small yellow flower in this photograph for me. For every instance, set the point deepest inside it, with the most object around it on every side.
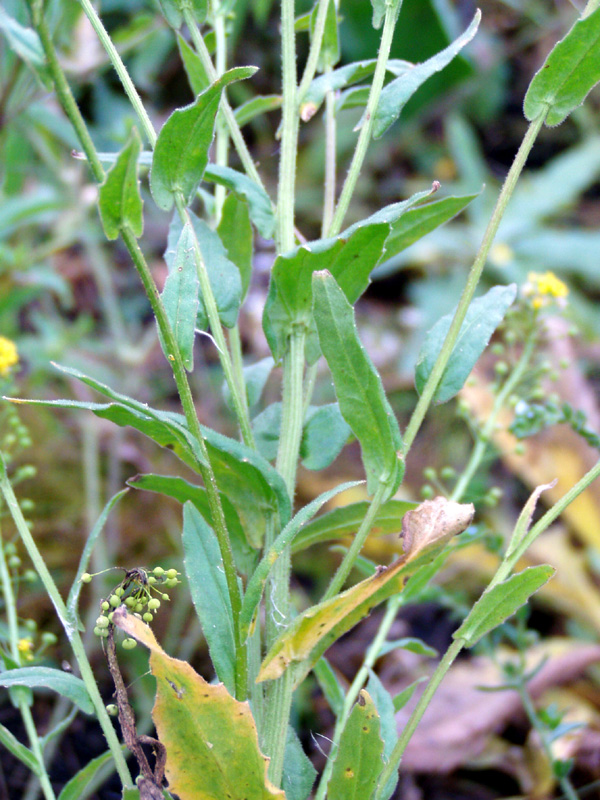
(8, 355)
(25, 646)
(543, 288)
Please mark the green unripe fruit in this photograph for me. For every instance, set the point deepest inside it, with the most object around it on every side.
(86, 578)
(171, 582)
(27, 505)
(30, 576)
(139, 607)
(152, 580)
(166, 597)
(114, 600)
(10, 549)
(129, 644)
(130, 602)
(497, 348)
(501, 368)
(30, 625)
(153, 604)
(104, 606)
(147, 617)
(14, 562)
(427, 492)
(102, 621)
(448, 473)
(49, 638)
(112, 710)
(119, 591)
(110, 616)
(158, 571)
(171, 573)
(104, 632)
(429, 474)
(97, 631)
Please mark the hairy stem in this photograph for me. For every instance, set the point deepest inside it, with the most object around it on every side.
(289, 131)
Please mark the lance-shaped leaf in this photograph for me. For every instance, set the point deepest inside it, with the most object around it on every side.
(69, 686)
(235, 231)
(181, 151)
(481, 320)
(180, 298)
(359, 758)
(120, 201)
(259, 203)
(196, 74)
(396, 94)
(173, 11)
(79, 785)
(329, 54)
(257, 583)
(183, 491)
(569, 73)
(210, 738)
(206, 576)
(298, 772)
(343, 522)
(426, 530)
(498, 604)
(256, 107)
(384, 705)
(223, 274)
(24, 754)
(358, 386)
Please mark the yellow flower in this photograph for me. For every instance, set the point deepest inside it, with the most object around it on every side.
(543, 288)
(8, 355)
(25, 646)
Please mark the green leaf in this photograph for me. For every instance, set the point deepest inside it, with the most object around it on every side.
(75, 789)
(379, 9)
(256, 107)
(182, 491)
(359, 757)
(408, 643)
(256, 585)
(206, 576)
(211, 738)
(180, 298)
(330, 685)
(75, 591)
(57, 680)
(384, 705)
(173, 11)
(235, 232)
(344, 522)
(23, 41)
(358, 387)
(223, 274)
(482, 318)
(570, 72)
(255, 378)
(324, 435)
(266, 428)
(196, 74)
(120, 202)
(259, 203)
(395, 95)
(340, 78)
(350, 258)
(181, 151)
(298, 772)
(418, 222)
(329, 54)
(403, 697)
(24, 754)
(499, 603)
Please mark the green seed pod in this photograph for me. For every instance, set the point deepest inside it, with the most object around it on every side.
(153, 604)
(104, 606)
(30, 625)
(152, 580)
(447, 473)
(129, 644)
(114, 600)
(429, 474)
(97, 631)
(165, 597)
(427, 492)
(102, 621)
(139, 607)
(112, 710)
(501, 367)
(49, 638)
(171, 573)
(86, 578)
(14, 562)
(130, 602)
(171, 582)
(119, 591)
(158, 571)
(147, 617)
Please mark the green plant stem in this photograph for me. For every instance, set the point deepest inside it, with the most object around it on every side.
(237, 360)
(234, 129)
(69, 625)
(410, 727)
(565, 784)
(277, 719)
(72, 111)
(120, 68)
(345, 567)
(237, 397)
(357, 684)
(364, 137)
(484, 436)
(292, 411)
(310, 67)
(473, 279)
(289, 131)
(330, 162)
(222, 135)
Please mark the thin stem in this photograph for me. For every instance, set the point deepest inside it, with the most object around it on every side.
(345, 567)
(474, 275)
(293, 410)
(36, 749)
(330, 162)
(310, 67)
(364, 137)
(238, 398)
(410, 727)
(359, 680)
(289, 131)
(485, 434)
(278, 715)
(120, 69)
(69, 626)
(234, 129)
(222, 136)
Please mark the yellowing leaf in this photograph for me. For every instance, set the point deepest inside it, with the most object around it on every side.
(425, 531)
(210, 737)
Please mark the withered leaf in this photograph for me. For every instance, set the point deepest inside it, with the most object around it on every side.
(434, 522)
